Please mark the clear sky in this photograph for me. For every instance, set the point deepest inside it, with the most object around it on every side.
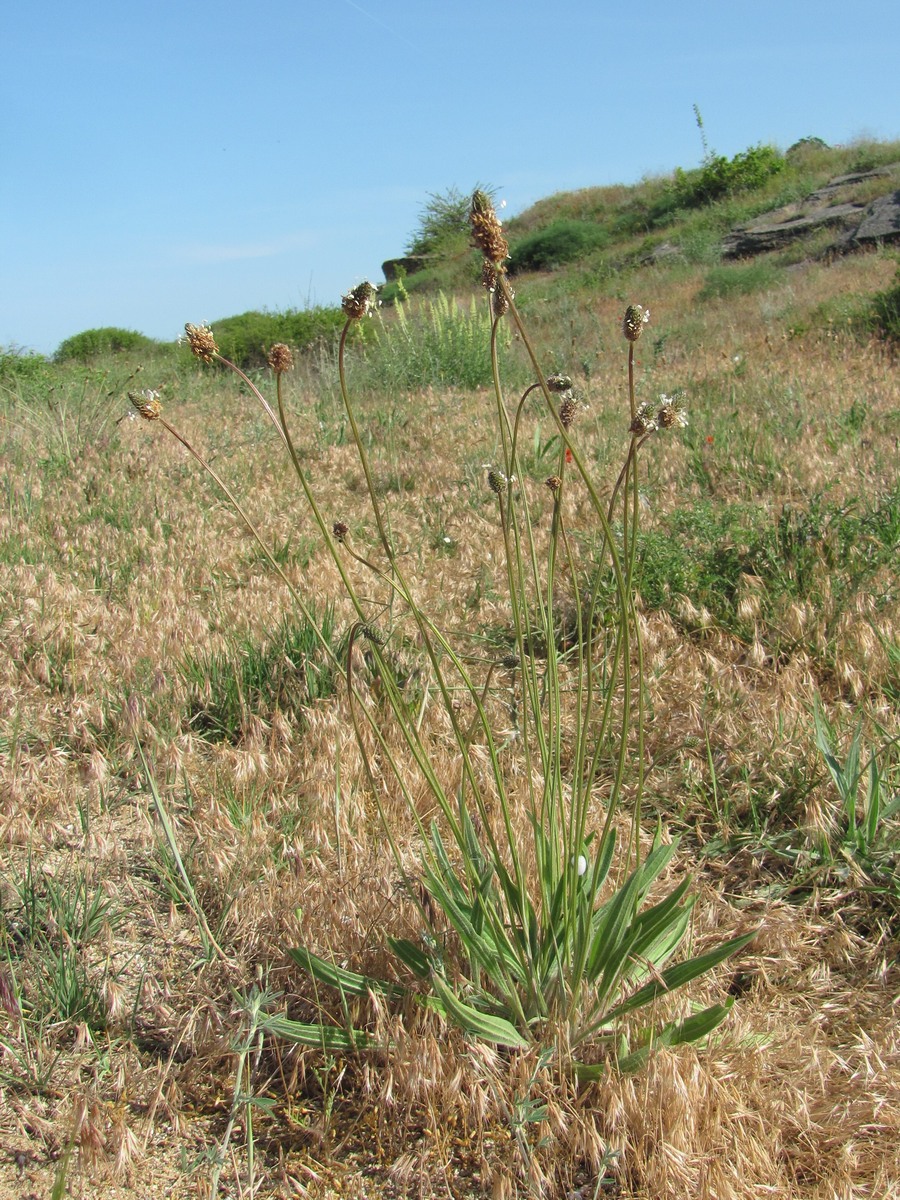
(173, 161)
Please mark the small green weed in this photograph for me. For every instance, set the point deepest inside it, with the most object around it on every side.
(286, 674)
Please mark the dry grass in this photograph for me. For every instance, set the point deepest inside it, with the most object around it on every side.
(122, 559)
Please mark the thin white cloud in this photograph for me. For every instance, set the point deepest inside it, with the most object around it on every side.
(222, 252)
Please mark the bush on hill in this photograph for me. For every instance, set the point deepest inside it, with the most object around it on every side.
(246, 339)
(561, 242)
(21, 364)
(720, 176)
(82, 347)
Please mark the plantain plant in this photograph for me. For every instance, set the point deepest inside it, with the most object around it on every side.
(539, 922)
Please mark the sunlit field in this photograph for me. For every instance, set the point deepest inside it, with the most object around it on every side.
(221, 746)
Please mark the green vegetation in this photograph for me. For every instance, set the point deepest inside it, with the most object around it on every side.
(247, 339)
(561, 242)
(250, 681)
(89, 345)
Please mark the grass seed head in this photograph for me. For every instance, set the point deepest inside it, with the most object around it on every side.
(147, 403)
(644, 420)
(636, 317)
(280, 358)
(340, 530)
(487, 232)
(360, 301)
(557, 384)
(497, 481)
(553, 482)
(672, 413)
(201, 341)
(568, 410)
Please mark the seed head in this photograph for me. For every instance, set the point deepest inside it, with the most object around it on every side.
(340, 531)
(359, 302)
(636, 317)
(497, 482)
(510, 662)
(201, 341)
(553, 482)
(487, 232)
(672, 412)
(147, 403)
(568, 410)
(371, 634)
(280, 358)
(644, 420)
(558, 384)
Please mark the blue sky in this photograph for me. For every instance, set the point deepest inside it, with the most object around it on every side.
(164, 162)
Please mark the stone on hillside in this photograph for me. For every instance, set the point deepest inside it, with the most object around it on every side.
(830, 207)
(396, 268)
(767, 234)
(882, 220)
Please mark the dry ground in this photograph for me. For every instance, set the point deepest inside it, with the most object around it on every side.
(120, 559)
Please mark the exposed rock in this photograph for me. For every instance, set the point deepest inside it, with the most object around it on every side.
(771, 233)
(395, 268)
(664, 251)
(826, 193)
(882, 220)
(832, 206)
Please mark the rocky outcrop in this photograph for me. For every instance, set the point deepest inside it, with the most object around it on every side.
(396, 268)
(882, 220)
(833, 206)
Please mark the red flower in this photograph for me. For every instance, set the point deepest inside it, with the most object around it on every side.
(568, 455)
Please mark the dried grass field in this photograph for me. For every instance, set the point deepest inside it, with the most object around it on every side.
(144, 940)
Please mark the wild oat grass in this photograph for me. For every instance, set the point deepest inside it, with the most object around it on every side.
(123, 562)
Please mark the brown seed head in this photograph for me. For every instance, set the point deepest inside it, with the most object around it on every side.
(147, 403)
(558, 383)
(280, 358)
(554, 483)
(201, 341)
(487, 232)
(672, 413)
(488, 275)
(360, 301)
(340, 531)
(636, 317)
(644, 421)
(568, 410)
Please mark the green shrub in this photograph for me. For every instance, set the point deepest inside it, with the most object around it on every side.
(562, 242)
(720, 176)
(246, 339)
(16, 364)
(82, 347)
(444, 217)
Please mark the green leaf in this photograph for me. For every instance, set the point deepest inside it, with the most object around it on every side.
(411, 956)
(679, 975)
(348, 983)
(699, 1025)
(481, 1025)
(325, 1037)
